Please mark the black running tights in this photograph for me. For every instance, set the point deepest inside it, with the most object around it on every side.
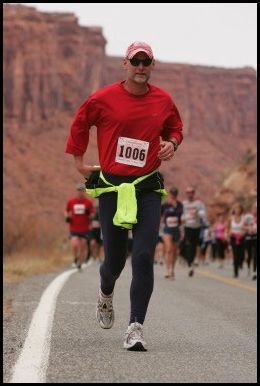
(145, 235)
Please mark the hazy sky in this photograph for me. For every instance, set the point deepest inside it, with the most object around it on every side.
(208, 34)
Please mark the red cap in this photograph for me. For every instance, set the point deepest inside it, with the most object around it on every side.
(138, 47)
(190, 189)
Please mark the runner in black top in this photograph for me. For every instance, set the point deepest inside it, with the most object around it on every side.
(172, 211)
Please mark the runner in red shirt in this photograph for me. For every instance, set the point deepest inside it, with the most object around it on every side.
(78, 212)
(138, 127)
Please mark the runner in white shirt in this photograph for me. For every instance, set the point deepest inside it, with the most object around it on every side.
(194, 213)
(236, 232)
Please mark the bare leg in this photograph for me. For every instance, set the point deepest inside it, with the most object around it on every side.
(74, 244)
(168, 254)
(83, 249)
(94, 249)
(175, 246)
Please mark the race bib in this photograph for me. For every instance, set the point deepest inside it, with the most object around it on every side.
(191, 215)
(172, 222)
(132, 151)
(79, 209)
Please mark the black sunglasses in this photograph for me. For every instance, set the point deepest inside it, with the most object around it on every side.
(135, 62)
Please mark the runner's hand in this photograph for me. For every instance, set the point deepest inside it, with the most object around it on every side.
(167, 151)
(84, 169)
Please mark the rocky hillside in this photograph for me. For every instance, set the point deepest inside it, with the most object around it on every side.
(51, 64)
(239, 185)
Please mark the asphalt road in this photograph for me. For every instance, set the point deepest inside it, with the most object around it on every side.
(198, 330)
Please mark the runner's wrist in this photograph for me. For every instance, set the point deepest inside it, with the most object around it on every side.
(175, 144)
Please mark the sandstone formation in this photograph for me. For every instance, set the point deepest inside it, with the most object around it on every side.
(239, 185)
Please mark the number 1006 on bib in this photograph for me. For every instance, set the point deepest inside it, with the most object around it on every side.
(131, 151)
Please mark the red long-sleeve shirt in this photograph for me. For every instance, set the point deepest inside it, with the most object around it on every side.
(128, 128)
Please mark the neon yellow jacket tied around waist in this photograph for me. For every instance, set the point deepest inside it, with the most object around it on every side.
(125, 216)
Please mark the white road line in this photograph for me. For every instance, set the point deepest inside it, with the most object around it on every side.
(32, 363)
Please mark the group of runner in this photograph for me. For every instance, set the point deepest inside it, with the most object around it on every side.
(186, 232)
(181, 220)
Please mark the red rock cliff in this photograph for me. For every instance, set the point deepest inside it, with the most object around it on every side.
(50, 63)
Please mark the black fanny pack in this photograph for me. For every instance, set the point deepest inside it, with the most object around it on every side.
(153, 182)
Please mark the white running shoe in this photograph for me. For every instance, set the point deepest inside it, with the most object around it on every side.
(134, 340)
(104, 312)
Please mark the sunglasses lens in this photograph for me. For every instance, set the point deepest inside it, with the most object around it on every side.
(147, 62)
(135, 62)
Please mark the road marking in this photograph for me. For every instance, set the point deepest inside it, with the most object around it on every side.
(32, 363)
(226, 280)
